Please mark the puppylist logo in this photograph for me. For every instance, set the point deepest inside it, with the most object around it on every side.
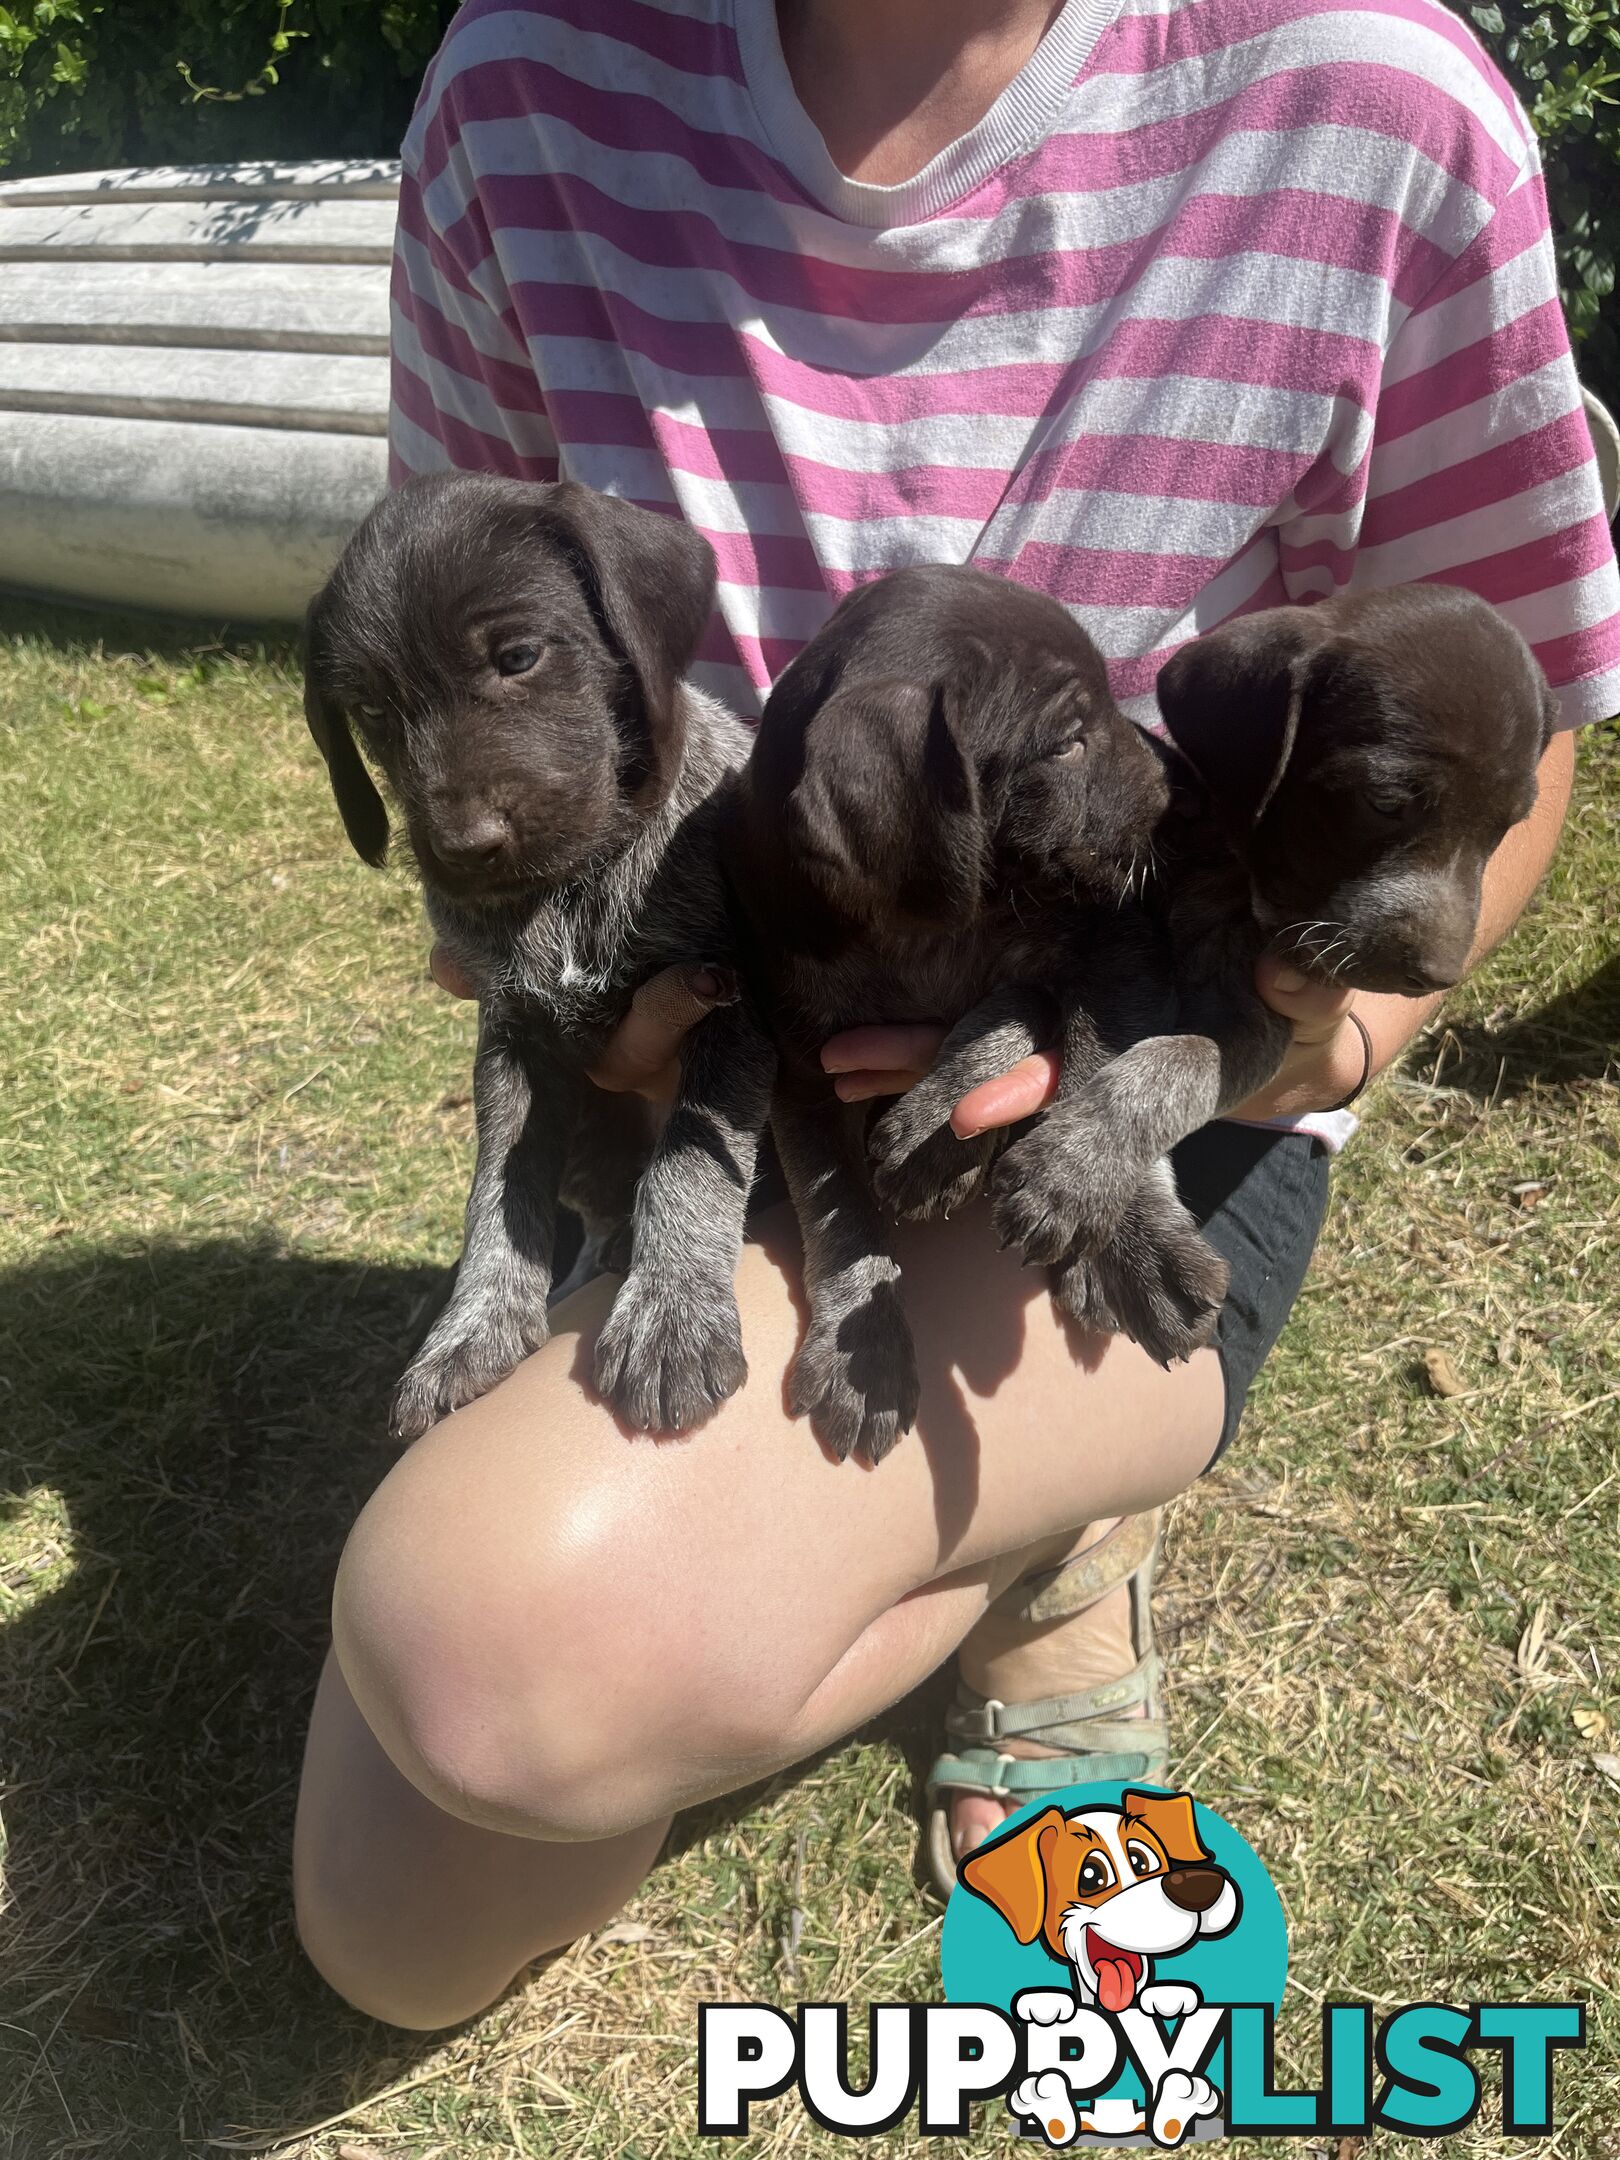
(1113, 1962)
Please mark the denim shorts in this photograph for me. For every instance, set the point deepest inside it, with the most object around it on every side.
(1259, 1197)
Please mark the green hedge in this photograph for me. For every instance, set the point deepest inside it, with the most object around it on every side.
(86, 83)
(1563, 58)
(114, 82)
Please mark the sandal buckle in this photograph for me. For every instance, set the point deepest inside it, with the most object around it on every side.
(1003, 1791)
(981, 1723)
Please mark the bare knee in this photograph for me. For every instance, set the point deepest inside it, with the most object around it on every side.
(530, 1670)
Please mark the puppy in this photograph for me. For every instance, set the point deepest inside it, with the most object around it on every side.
(1107, 1890)
(511, 657)
(945, 816)
(1362, 760)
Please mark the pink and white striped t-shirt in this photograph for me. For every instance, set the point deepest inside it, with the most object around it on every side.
(1223, 303)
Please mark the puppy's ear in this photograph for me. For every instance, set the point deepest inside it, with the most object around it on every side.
(1552, 715)
(650, 583)
(1231, 702)
(1172, 1821)
(361, 807)
(1011, 1872)
(886, 809)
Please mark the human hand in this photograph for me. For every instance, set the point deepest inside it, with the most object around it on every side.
(871, 1061)
(1325, 1055)
(1322, 1064)
(643, 1054)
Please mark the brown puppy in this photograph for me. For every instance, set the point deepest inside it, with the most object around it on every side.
(946, 815)
(1363, 760)
(511, 656)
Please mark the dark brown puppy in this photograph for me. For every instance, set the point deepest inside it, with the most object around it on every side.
(945, 816)
(512, 656)
(1363, 759)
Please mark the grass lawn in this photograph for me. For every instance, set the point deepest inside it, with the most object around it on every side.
(237, 1141)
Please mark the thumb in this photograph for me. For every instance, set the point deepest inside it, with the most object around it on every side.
(662, 1011)
(1313, 1009)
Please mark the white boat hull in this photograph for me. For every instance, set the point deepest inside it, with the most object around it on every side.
(193, 382)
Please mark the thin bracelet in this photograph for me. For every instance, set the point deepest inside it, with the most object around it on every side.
(1360, 1027)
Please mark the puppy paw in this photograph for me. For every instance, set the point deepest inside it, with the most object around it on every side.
(1169, 1999)
(462, 1358)
(920, 1174)
(1077, 1290)
(855, 1376)
(1034, 1195)
(1044, 2006)
(668, 1356)
(1045, 2099)
(1182, 2099)
(1164, 1283)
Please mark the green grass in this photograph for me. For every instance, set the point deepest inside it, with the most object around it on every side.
(236, 1144)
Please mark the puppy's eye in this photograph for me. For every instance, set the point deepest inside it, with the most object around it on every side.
(1386, 804)
(1143, 1860)
(1096, 1874)
(517, 659)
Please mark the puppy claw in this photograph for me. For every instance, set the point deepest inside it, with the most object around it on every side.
(923, 1175)
(452, 1370)
(666, 1363)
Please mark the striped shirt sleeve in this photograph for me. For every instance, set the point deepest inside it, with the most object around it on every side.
(1480, 471)
(464, 391)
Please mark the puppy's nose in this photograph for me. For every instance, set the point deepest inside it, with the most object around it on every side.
(1194, 1889)
(475, 840)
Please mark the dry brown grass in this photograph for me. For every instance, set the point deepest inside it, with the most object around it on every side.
(237, 1138)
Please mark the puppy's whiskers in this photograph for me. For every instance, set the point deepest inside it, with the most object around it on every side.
(1315, 943)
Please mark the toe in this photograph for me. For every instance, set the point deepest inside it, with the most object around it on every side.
(974, 1817)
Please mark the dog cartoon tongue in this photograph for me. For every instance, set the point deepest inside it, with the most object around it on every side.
(1117, 1972)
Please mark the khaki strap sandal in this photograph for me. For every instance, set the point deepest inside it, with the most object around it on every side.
(1095, 1737)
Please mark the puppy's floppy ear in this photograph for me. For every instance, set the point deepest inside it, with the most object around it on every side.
(886, 809)
(361, 807)
(1552, 715)
(1171, 1819)
(1231, 702)
(650, 582)
(1011, 1872)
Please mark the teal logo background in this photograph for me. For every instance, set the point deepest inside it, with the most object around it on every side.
(982, 1961)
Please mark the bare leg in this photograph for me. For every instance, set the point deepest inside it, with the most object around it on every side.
(558, 1632)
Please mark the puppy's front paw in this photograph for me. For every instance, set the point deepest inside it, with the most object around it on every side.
(463, 1357)
(1066, 1186)
(855, 1376)
(1034, 1201)
(917, 1174)
(670, 1354)
(1163, 1281)
(1077, 1289)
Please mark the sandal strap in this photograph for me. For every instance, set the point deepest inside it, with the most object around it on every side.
(1088, 1575)
(982, 1718)
(1004, 1777)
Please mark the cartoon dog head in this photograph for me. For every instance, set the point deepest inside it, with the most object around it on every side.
(1107, 1889)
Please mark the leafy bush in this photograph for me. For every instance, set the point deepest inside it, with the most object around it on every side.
(1563, 58)
(115, 82)
(85, 83)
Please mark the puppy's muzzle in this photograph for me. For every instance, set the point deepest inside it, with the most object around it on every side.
(1194, 1889)
(474, 841)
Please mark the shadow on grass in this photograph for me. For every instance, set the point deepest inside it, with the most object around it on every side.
(198, 1424)
(1573, 1038)
(132, 634)
(208, 1419)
